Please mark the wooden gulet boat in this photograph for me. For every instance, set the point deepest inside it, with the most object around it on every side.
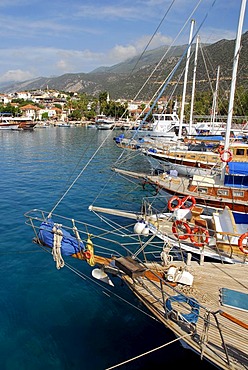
(217, 234)
(204, 304)
(205, 190)
(205, 162)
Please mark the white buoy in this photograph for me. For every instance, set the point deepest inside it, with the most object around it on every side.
(139, 227)
(145, 231)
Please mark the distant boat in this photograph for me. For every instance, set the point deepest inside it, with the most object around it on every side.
(8, 122)
(62, 124)
(102, 122)
(26, 123)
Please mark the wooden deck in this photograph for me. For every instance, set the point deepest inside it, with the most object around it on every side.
(218, 339)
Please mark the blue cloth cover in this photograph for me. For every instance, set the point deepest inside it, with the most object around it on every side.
(233, 298)
(69, 244)
(191, 317)
(238, 168)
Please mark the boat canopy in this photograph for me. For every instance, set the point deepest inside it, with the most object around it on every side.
(238, 168)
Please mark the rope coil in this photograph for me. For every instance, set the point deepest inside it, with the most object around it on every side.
(56, 250)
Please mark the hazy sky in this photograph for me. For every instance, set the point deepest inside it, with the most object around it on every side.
(50, 38)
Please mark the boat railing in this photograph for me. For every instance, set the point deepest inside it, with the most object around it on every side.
(202, 324)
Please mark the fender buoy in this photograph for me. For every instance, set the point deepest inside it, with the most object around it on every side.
(191, 317)
(220, 148)
(240, 243)
(182, 225)
(172, 207)
(186, 199)
(204, 236)
(87, 255)
(226, 155)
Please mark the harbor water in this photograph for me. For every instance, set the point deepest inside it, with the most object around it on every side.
(54, 319)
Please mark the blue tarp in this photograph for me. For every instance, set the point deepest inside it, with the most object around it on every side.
(238, 168)
(69, 244)
(209, 137)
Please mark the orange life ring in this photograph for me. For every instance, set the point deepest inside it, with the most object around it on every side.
(188, 198)
(225, 153)
(186, 232)
(87, 255)
(171, 200)
(240, 243)
(204, 236)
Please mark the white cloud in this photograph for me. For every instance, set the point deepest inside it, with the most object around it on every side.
(120, 52)
(16, 75)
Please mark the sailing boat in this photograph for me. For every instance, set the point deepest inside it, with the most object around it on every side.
(229, 188)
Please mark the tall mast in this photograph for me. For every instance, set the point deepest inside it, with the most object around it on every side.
(234, 78)
(193, 86)
(214, 105)
(185, 79)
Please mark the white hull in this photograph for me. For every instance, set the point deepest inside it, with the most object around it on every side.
(9, 126)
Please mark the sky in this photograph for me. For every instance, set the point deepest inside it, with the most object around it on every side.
(47, 38)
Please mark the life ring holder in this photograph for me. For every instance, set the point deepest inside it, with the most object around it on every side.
(191, 317)
(170, 203)
(204, 232)
(224, 153)
(87, 255)
(184, 224)
(186, 199)
(240, 243)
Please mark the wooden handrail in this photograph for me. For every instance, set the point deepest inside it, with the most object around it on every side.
(233, 319)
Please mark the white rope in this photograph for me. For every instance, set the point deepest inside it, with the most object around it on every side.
(56, 251)
(152, 350)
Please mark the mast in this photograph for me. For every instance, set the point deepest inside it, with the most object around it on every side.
(234, 78)
(193, 86)
(214, 105)
(185, 79)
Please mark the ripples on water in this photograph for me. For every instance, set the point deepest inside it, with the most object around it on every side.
(53, 319)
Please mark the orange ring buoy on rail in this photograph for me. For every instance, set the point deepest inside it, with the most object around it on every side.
(87, 255)
(186, 232)
(226, 155)
(170, 203)
(204, 235)
(186, 199)
(240, 243)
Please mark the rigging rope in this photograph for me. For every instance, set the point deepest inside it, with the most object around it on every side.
(152, 350)
(171, 74)
(80, 173)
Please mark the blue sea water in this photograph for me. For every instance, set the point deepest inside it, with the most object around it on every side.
(54, 319)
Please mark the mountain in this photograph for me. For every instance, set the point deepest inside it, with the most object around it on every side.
(125, 79)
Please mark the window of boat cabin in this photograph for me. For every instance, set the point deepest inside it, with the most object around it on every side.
(203, 190)
(222, 192)
(238, 193)
(240, 151)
